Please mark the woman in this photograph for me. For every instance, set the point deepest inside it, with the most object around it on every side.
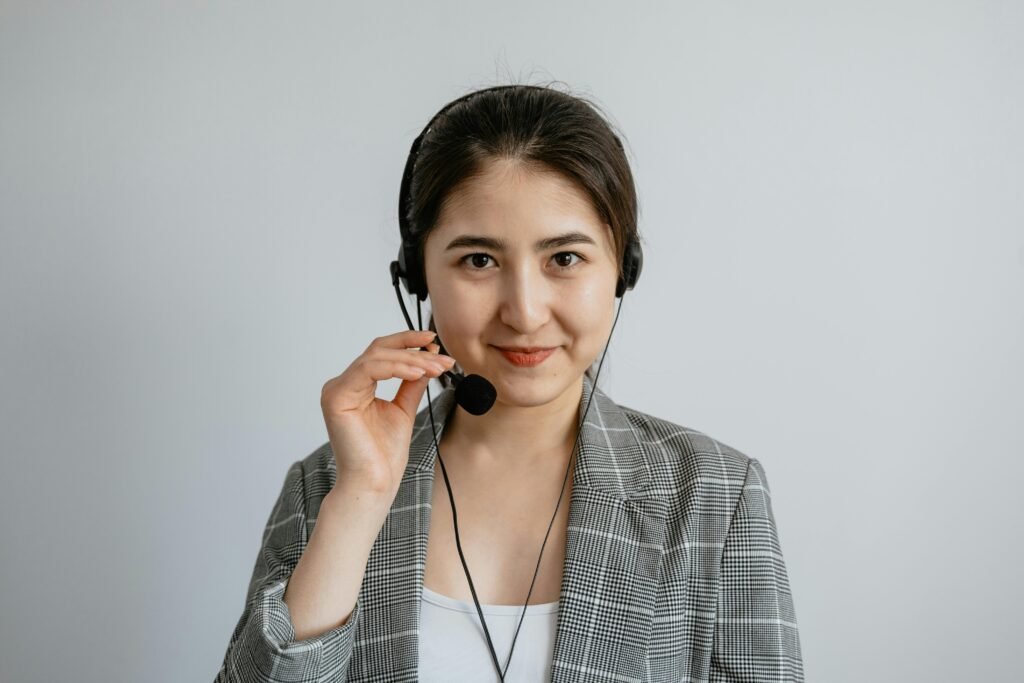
(519, 210)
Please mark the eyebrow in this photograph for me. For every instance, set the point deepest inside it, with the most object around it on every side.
(496, 244)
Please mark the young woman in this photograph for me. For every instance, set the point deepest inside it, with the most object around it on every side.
(592, 542)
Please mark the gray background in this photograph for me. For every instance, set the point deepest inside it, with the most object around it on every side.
(198, 206)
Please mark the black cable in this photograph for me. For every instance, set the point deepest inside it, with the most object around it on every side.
(455, 519)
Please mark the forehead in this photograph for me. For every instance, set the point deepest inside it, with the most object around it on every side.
(522, 201)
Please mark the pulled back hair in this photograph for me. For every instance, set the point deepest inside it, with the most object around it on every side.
(539, 127)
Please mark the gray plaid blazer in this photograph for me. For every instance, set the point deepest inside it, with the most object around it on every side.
(673, 569)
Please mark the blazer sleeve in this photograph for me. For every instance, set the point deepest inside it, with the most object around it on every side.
(756, 635)
(263, 646)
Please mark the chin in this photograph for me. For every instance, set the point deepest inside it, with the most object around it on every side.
(523, 390)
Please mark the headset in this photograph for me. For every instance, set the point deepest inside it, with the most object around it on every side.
(474, 393)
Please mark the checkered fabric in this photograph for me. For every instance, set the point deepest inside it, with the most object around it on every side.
(673, 569)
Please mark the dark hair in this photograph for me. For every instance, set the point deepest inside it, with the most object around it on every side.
(539, 126)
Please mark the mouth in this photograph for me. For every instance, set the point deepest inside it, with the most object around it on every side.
(526, 356)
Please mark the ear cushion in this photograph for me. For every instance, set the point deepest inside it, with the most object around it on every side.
(632, 264)
(410, 272)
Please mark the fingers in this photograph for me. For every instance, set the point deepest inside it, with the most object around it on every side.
(381, 363)
(427, 360)
(409, 355)
(402, 340)
(377, 369)
(410, 392)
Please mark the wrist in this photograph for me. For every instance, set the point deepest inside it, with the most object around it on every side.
(349, 496)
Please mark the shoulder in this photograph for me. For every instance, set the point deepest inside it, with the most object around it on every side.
(701, 480)
(679, 456)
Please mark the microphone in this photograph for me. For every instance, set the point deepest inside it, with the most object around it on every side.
(474, 393)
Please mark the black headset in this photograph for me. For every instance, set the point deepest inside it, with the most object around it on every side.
(474, 393)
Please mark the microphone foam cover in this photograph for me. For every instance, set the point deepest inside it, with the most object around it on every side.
(475, 394)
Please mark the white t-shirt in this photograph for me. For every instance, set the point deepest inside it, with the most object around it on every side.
(453, 647)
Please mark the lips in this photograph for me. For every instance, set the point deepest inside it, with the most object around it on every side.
(526, 356)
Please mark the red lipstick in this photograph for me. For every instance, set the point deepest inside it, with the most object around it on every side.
(526, 357)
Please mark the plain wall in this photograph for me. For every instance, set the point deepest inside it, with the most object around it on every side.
(198, 207)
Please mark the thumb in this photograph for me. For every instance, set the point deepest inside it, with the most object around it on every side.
(409, 394)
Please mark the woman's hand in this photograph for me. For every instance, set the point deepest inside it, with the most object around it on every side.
(370, 437)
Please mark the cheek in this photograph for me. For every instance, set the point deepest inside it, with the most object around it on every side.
(461, 324)
(591, 302)
(588, 317)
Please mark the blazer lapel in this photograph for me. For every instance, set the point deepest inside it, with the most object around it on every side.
(613, 552)
(612, 561)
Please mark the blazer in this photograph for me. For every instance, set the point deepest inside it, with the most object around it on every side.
(673, 569)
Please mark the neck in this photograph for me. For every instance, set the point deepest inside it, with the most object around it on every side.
(513, 437)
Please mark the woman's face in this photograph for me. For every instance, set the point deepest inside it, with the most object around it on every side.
(494, 282)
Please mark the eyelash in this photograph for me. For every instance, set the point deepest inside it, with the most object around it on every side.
(464, 260)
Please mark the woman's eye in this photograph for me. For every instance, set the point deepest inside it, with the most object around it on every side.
(563, 260)
(564, 265)
(475, 259)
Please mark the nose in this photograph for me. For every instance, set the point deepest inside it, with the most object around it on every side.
(525, 299)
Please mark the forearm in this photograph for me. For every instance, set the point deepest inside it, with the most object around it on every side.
(322, 591)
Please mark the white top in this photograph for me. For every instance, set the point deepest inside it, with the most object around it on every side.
(453, 646)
